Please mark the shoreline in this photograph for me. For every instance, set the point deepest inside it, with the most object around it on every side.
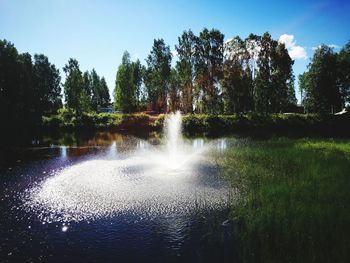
(141, 125)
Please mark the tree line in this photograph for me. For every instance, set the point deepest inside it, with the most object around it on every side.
(209, 76)
(325, 86)
(240, 75)
(86, 91)
(30, 87)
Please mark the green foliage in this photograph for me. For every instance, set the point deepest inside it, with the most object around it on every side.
(185, 68)
(322, 94)
(194, 123)
(74, 87)
(104, 94)
(84, 92)
(273, 85)
(237, 82)
(343, 73)
(208, 69)
(254, 124)
(210, 77)
(293, 201)
(99, 91)
(137, 79)
(174, 94)
(66, 119)
(47, 85)
(159, 122)
(136, 120)
(157, 75)
(27, 89)
(127, 85)
(237, 123)
(87, 91)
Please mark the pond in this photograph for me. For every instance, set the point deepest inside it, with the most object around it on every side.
(115, 197)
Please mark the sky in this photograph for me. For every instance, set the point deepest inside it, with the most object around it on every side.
(97, 32)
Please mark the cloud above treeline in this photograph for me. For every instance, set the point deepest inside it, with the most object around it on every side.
(294, 51)
(330, 45)
(174, 53)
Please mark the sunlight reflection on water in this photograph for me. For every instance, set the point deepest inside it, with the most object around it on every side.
(167, 179)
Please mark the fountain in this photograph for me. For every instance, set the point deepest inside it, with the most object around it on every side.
(172, 128)
(153, 181)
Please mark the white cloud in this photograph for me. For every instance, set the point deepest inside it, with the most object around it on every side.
(287, 40)
(174, 53)
(330, 45)
(294, 51)
(297, 52)
(333, 46)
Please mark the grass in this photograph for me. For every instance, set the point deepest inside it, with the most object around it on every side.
(294, 203)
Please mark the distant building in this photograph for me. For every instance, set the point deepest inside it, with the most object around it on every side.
(344, 111)
(106, 110)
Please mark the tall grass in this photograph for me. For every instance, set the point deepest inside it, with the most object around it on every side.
(294, 203)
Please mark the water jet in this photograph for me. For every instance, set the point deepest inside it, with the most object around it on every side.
(162, 180)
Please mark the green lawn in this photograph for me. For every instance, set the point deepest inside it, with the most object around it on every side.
(294, 201)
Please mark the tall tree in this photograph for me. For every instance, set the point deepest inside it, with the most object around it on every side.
(87, 102)
(273, 77)
(209, 66)
(263, 86)
(26, 99)
(27, 89)
(47, 85)
(74, 87)
(105, 98)
(9, 86)
(282, 79)
(96, 90)
(124, 90)
(302, 80)
(322, 94)
(343, 65)
(174, 91)
(137, 78)
(157, 75)
(237, 77)
(252, 44)
(185, 68)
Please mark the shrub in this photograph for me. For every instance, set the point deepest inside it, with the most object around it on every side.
(159, 122)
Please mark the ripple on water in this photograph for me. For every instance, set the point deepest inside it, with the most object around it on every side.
(150, 183)
(169, 180)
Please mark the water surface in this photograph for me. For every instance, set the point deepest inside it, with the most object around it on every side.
(114, 197)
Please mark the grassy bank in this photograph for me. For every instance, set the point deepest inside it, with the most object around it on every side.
(67, 120)
(286, 124)
(294, 203)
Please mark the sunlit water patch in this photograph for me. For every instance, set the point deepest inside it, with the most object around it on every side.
(171, 179)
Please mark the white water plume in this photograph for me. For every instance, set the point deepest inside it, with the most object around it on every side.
(174, 178)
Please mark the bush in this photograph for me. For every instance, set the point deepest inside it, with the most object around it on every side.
(66, 119)
(159, 122)
(292, 124)
(194, 123)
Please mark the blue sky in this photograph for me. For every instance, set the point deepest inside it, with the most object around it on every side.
(97, 32)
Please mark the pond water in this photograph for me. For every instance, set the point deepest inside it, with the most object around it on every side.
(115, 198)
